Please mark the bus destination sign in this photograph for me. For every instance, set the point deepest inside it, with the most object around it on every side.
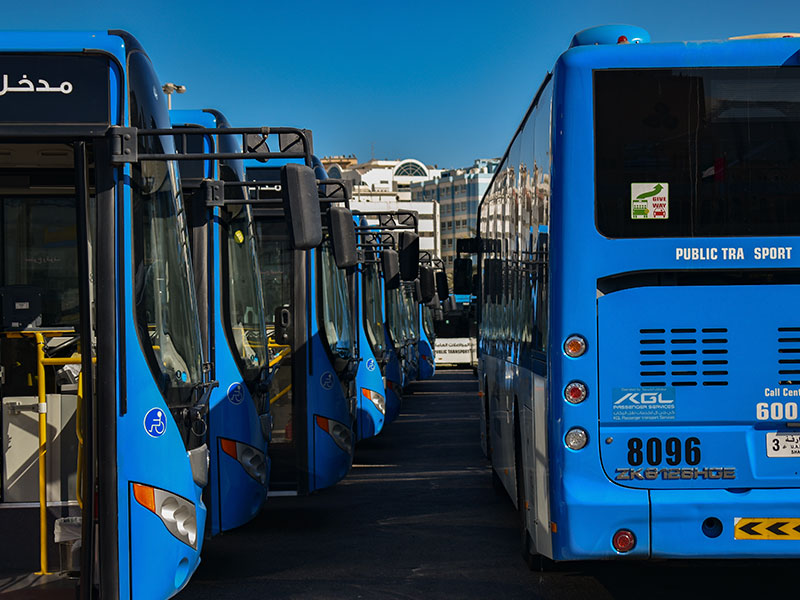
(54, 89)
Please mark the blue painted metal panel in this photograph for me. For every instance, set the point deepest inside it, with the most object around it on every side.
(678, 517)
(328, 463)
(712, 369)
(163, 565)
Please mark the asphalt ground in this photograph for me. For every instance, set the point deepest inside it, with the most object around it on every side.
(417, 517)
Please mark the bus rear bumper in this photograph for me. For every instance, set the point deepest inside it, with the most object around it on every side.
(583, 524)
(703, 523)
(678, 524)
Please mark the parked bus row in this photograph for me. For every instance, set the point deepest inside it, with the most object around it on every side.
(192, 318)
(638, 280)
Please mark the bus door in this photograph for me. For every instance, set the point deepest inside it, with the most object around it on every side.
(49, 335)
(283, 281)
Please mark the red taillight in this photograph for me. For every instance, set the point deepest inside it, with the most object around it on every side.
(624, 541)
(575, 392)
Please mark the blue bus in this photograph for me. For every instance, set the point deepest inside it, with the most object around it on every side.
(370, 386)
(428, 305)
(232, 322)
(100, 338)
(312, 339)
(390, 244)
(374, 318)
(638, 339)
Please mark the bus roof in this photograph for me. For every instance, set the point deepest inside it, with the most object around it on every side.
(66, 41)
(713, 53)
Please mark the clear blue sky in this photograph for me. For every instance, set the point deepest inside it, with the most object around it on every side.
(442, 81)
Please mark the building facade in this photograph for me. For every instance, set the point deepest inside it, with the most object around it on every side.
(457, 193)
(385, 185)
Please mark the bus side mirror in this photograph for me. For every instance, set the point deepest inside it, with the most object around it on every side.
(343, 237)
(417, 293)
(427, 284)
(442, 288)
(409, 255)
(257, 143)
(390, 263)
(301, 205)
(462, 276)
(291, 142)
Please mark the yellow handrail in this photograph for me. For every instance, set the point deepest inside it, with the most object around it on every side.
(279, 394)
(280, 356)
(79, 435)
(42, 410)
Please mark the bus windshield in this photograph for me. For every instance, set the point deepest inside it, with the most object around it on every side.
(373, 309)
(395, 317)
(427, 323)
(411, 308)
(244, 293)
(697, 152)
(335, 305)
(166, 306)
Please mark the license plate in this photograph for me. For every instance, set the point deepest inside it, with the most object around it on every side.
(782, 444)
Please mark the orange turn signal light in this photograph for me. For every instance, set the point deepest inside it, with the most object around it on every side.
(145, 495)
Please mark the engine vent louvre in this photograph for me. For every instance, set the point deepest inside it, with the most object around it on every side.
(789, 355)
(687, 356)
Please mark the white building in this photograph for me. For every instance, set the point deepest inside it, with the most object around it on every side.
(457, 193)
(380, 185)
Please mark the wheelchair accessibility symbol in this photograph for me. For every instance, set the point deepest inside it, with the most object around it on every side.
(327, 380)
(235, 393)
(155, 422)
(371, 364)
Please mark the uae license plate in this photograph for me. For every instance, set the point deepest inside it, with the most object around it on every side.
(782, 444)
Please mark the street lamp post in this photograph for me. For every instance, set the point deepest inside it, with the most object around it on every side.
(172, 87)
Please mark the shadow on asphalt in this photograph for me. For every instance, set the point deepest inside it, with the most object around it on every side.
(417, 517)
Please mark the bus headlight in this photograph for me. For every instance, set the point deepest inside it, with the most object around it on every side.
(338, 431)
(374, 397)
(253, 460)
(576, 438)
(178, 514)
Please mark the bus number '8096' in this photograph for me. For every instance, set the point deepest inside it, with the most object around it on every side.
(672, 451)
